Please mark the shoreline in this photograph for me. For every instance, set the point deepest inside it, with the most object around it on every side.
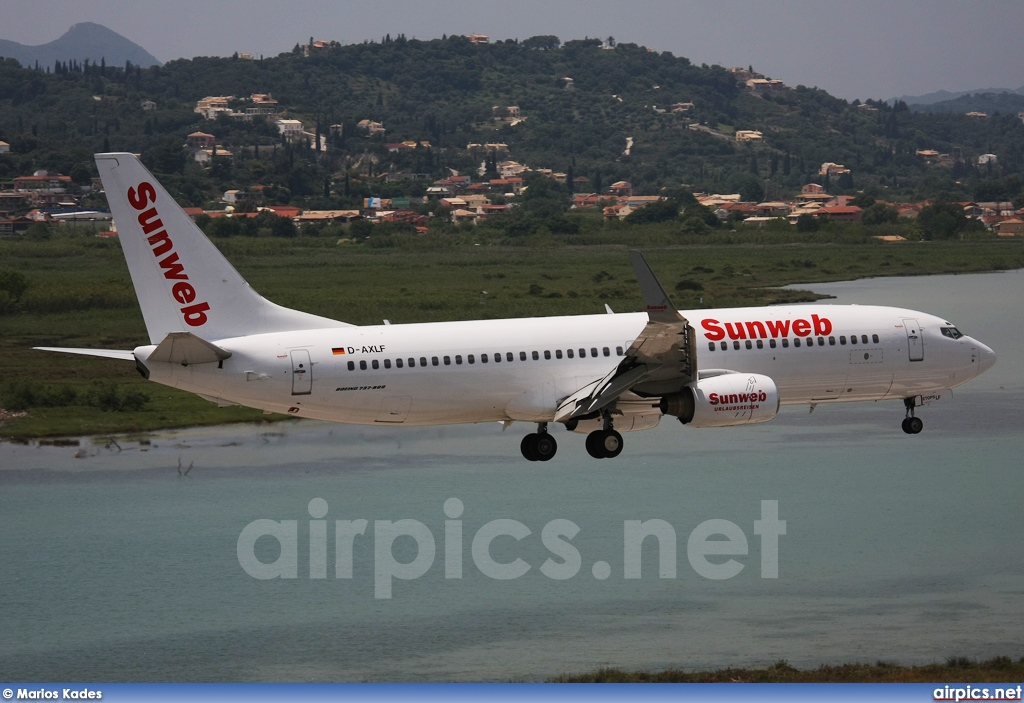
(954, 670)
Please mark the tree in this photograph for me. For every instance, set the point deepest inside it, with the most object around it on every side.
(807, 223)
(694, 225)
(660, 211)
(283, 227)
(224, 227)
(543, 42)
(943, 220)
(990, 191)
(80, 174)
(748, 186)
(166, 157)
(862, 200)
(696, 211)
(360, 229)
(879, 213)
(13, 284)
(38, 231)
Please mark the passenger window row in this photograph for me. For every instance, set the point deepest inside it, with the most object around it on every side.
(484, 358)
(808, 342)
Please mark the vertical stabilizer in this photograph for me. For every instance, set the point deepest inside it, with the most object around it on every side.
(183, 282)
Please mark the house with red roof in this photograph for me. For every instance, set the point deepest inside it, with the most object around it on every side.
(840, 213)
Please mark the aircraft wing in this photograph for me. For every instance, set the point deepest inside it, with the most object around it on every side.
(105, 353)
(661, 360)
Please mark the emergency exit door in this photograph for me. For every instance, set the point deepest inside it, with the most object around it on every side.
(915, 344)
(302, 372)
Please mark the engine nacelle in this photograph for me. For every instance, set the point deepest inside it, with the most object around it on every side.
(722, 401)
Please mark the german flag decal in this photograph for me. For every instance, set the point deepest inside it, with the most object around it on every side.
(338, 351)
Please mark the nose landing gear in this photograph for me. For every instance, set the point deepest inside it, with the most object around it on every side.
(911, 424)
(539, 446)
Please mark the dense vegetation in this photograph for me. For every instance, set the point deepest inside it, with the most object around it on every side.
(954, 669)
(442, 91)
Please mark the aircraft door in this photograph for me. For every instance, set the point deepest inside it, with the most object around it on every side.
(915, 341)
(302, 372)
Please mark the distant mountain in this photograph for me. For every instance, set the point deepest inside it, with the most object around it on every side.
(944, 95)
(1006, 102)
(83, 41)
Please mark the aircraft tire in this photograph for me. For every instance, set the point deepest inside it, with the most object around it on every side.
(906, 425)
(544, 447)
(915, 425)
(611, 443)
(529, 447)
(594, 444)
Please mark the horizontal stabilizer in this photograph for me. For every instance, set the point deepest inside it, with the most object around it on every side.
(186, 348)
(104, 353)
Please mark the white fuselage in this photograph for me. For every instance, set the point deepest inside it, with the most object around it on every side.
(519, 369)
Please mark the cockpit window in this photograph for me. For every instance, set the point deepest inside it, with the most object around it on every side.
(952, 332)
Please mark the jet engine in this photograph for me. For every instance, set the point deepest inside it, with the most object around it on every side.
(722, 401)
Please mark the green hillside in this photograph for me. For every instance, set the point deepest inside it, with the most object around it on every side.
(442, 91)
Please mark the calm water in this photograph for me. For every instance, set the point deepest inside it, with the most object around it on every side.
(112, 567)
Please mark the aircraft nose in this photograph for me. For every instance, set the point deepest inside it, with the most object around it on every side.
(986, 358)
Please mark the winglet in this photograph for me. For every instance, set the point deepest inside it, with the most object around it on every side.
(656, 301)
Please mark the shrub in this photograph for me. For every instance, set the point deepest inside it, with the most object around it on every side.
(13, 285)
(112, 397)
(108, 396)
(23, 395)
(688, 284)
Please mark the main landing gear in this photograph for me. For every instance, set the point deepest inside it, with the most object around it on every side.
(605, 443)
(911, 424)
(539, 446)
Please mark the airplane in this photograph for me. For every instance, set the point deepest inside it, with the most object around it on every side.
(600, 375)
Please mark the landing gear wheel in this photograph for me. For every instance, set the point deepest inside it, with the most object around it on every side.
(911, 424)
(544, 446)
(538, 446)
(604, 444)
(611, 443)
(529, 447)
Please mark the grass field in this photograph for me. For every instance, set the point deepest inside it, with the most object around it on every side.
(80, 295)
